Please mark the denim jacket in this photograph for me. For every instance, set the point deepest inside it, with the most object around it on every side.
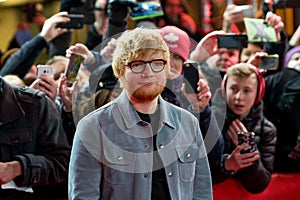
(112, 155)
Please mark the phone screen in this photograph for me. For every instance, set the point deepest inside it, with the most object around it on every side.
(147, 9)
(191, 76)
(233, 41)
(72, 68)
(270, 62)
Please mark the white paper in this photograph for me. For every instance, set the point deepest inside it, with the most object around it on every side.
(12, 185)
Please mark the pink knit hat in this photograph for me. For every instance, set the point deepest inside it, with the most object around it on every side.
(177, 40)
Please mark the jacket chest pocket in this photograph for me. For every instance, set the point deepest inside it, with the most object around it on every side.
(187, 162)
(15, 142)
(118, 166)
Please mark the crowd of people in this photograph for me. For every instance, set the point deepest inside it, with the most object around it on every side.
(128, 128)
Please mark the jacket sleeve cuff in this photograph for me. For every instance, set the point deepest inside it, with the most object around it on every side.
(224, 170)
(31, 173)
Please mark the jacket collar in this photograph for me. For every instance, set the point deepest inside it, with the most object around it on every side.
(131, 117)
(9, 104)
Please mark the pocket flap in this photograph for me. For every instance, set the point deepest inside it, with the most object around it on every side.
(16, 137)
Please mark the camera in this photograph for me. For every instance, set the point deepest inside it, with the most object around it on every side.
(76, 22)
(247, 137)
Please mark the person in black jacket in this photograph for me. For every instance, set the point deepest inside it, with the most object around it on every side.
(282, 108)
(243, 87)
(34, 150)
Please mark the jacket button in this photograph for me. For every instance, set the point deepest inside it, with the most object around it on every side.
(188, 155)
(146, 175)
(170, 174)
(146, 146)
(161, 146)
(120, 158)
(35, 179)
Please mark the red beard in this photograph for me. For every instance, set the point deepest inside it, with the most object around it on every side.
(146, 94)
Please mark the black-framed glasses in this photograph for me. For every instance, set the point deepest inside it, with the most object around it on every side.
(138, 66)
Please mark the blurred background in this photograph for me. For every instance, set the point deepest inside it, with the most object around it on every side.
(208, 15)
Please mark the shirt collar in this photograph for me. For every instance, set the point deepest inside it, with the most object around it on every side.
(131, 117)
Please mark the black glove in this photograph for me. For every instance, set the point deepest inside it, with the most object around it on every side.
(118, 11)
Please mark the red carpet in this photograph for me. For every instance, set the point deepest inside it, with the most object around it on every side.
(283, 186)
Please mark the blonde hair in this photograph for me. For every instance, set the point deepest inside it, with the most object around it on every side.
(241, 70)
(134, 43)
(14, 80)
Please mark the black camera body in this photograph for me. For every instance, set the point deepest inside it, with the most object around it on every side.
(233, 41)
(76, 22)
(247, 137)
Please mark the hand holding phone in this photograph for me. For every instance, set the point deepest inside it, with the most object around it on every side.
(72, 69)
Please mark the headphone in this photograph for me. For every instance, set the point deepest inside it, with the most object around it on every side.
(260, 86)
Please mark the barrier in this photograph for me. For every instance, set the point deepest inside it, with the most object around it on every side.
(283, 186)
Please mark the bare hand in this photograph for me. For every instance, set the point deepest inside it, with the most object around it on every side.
(276, 22)
(9, 171)
(80, 49)
(207, 47)
(237, 161)
(108, 50)
(49, 30)
(235, 127)
(200, 100)
(66, 92)
(46, 84)
(233, 14)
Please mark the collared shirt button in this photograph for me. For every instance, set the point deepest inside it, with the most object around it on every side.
(170, 174)
(188, 155)
(146, 175)
(161, 146)
(120, 158)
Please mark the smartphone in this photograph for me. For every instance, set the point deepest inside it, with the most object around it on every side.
(76, 22)
(191, 76)
(247, 137)
(233, 41)
(147, 9)
(72, 69)
(270, 62)
(44, 70)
